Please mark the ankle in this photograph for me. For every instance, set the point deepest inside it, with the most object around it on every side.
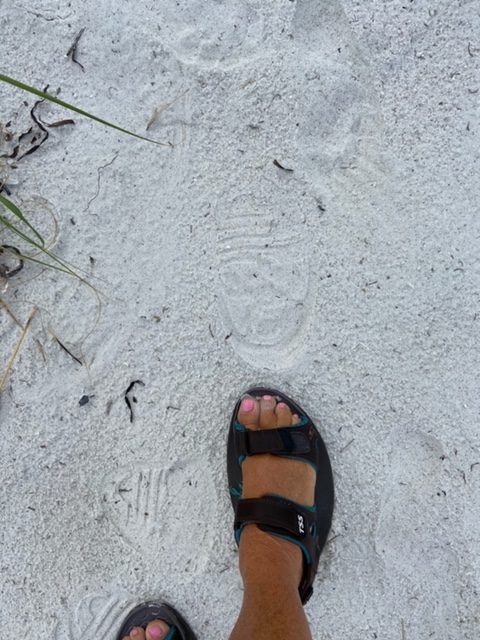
(266, 559)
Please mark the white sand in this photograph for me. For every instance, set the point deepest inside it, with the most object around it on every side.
(352, 283)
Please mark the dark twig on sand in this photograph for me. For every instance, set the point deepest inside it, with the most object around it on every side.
(62, 346)
(277, 164)
(347, 445)
(72, 52)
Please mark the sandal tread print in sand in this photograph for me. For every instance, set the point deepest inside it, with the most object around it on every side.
(305, 526)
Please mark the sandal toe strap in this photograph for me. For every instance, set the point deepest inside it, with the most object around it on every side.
(290, 441)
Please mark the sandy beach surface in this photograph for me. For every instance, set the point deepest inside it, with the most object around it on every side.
(312, 225)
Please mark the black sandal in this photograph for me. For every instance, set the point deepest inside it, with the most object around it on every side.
(306, 527)
(145, 613)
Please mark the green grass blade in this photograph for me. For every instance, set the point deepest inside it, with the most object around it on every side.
(14, 229)
(42, 263)
(8, 204)
(66, 105)
(63, 265)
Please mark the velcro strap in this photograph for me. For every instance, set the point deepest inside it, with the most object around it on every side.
(272, 512)
(288, 441)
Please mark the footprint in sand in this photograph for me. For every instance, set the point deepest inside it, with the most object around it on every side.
(412, 538)
(315, 116)
(97, 616)
(340, 126)
(281, 82)
(147, 505)
(222, 34)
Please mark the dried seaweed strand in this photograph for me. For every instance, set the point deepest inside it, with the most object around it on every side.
(16, 351)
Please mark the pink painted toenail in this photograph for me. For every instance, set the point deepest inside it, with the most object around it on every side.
(156, 632)
(267, 398)
(247, 404)
(282, 405)
(135, 633)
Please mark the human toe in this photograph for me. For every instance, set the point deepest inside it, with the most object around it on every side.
(156, 630)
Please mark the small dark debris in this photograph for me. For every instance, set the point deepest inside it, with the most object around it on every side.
(124, 490)
(173, 408)
(84, 400)
(210, 330)
(347, 445)
(72, 52)
(280, 166)
(338, 535)
(40, 125)
(62, 346)
(228, 336)
(72, 221)
(127, 398)
(9, 272)
(31, 508)
(60, 123)
(472, 466)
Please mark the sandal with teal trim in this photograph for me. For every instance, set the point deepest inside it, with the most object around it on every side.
(304, 526)
(145, 613)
